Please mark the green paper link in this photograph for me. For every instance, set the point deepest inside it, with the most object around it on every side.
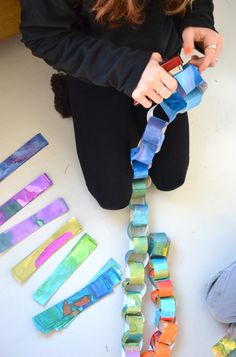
(128, 288)
(82, 249)
(159, 245)
(139, 188)
(133, 304)
(226, 347)
(134, 231)
(134, 335)
(140, 244)
(137, 273)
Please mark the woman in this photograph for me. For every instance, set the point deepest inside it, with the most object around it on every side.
(111, 50)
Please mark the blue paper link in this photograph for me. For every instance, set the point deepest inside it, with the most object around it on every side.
(62, 314)
(189, 78)
(140, 215)
(20, 156)
(168, 308)
(151, 141)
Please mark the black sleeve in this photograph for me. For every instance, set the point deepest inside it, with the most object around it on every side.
(199, 14)
(49, 29)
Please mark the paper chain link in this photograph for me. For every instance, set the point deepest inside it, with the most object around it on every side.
(152, 249)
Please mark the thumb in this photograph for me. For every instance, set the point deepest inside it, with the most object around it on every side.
(188, 42)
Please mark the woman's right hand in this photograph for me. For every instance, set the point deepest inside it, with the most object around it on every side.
(155, 83)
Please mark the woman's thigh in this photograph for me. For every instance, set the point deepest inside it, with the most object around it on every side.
(101, 119)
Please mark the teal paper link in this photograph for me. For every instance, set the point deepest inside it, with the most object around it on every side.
(168, 308)
(160, 267)
(140, 215)
(158, 242)
(62, 314)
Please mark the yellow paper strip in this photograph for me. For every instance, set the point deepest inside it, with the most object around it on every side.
(24, 269)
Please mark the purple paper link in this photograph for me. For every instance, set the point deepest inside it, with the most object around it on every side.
(23, 197)
(20, 156)
(52, 248)
(32, 224)
(132, 353)
(146, 153)
(154, 131)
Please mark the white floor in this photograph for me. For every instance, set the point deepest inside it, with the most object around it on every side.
(199, 217)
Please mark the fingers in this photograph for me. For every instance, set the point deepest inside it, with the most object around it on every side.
(220, 46)
(188, 41)
(142, 99)
(169, 81)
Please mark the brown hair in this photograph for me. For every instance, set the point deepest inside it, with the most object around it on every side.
(112, 12)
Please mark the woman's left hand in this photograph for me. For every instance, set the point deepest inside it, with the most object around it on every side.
(211, 42)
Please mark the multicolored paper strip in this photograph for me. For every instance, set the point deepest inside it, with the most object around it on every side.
(24, 197)
(24, 269)
(23, 229)
(19, 157)
(225, 347)
(62, 314)
(83, 248)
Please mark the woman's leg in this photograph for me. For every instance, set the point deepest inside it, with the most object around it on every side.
(170, 165)
(101, 118)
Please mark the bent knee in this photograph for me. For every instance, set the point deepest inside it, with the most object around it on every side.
(170, 185)
(112, 199)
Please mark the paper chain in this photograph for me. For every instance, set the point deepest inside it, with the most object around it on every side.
(152, 249)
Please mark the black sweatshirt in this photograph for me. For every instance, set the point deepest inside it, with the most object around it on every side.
(65, 34)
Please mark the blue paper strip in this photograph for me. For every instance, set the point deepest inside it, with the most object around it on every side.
(19, 157)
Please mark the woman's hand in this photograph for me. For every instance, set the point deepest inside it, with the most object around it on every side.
(211, 42)
(155, 83)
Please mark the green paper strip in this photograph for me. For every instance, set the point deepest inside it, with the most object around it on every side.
(83, 248)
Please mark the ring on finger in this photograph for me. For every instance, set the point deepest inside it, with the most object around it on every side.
(212, 46)
(162, 91)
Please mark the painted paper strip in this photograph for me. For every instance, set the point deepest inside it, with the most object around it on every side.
(62, 314)
(24, 153)
(24, 197)
(23, 229)
(83, 248)
(24, 269)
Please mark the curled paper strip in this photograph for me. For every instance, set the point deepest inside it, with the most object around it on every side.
(225, 347)
(24, 269)
(23, 229)
(62, 314)
(82, 249)
(20, 156)
(24, 197)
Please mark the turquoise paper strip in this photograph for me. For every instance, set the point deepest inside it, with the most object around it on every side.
(83, 248)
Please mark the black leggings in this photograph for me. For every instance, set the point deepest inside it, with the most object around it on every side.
(106, 126)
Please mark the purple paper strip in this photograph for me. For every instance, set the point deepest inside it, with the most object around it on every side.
(20, 156)
(23, 197)
(23, 229)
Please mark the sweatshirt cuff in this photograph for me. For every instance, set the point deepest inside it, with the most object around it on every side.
(137, 72)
